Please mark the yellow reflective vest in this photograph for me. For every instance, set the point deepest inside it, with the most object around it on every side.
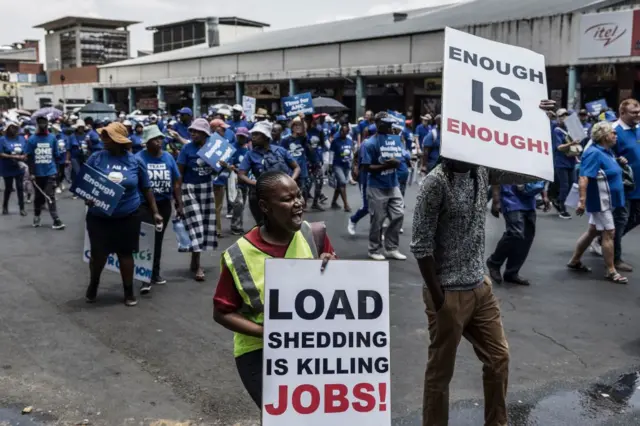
(246, 264)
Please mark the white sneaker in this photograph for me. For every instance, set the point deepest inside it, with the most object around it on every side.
(377, 256)
(595, 248)
(351, 228)
(395, 254)
(402, 230)
(58, 191)
(62, 187)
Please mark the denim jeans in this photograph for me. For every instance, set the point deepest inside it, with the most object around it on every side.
(515, 243)
(364, 209)
(633, 210)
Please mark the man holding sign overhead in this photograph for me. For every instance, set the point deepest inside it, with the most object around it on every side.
(449, 218)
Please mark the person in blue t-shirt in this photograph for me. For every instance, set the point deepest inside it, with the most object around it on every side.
(220, 183)
(431, 146)
(316, 138)
(42, 151)
(92, 139)
(628, 147)
(137, 143)
(342, 149)
(383, 193)
(298, 146)
(64, 156)
(564, 161)
(601, 194)
(183, 124)
(363, 125)
(360, 174)
(262, 158)
(284, 122)
(12, 154)
(164, 175)
(236, 121)
(242, 191)
(518, 206)
(423, 129)
(118, 233)
(196, 180)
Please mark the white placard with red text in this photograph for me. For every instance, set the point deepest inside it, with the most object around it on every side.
(326, 344)
(490, 97)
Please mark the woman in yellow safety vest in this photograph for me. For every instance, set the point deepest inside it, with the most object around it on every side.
(239, 297)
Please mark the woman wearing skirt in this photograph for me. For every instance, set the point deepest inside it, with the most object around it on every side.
(196, 180)
(118, 233)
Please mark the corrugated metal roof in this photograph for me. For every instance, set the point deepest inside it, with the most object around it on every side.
(423, 20)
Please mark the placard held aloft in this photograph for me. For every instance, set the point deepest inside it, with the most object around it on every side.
(490, 106)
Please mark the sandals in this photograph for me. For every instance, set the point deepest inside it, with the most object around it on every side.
(578, 267)
(616, 278)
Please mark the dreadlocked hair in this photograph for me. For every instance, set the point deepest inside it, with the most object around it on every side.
(266, 181)
(448, 170)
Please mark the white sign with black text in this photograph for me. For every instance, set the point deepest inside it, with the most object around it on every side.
(606, 35)
(490, 106)
(326, 344)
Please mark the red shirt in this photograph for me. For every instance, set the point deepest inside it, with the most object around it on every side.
(226, 298)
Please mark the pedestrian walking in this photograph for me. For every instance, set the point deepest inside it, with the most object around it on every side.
(12, 154)
(42, 150)
(517, 203)
(118, 233)
(283, 234)
(196, 181)
(342, 150)
(383, 194)
(242, 190)
(601, 192)
(164, 176)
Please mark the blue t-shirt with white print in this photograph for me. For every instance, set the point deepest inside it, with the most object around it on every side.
(162, 172)
(42, 151)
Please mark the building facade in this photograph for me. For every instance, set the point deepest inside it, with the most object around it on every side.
(19, 67)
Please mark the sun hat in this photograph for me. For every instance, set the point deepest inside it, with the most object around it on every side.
(201, 125)
(151, 132)
(561, 112)
(261, 113)
(223, 111)
(11, 123)
(79, 123)
(426, 117)
(263, 127)
(218, 123)
(185, 110)
(237, 107)
(610, 116)
(242, 131)
(116, 131)
(127, 123)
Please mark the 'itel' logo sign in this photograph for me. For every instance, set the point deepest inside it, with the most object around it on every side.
(605, 32)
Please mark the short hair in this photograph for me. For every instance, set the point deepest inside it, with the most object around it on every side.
(600, 130)
(626, 104)
(266, 181)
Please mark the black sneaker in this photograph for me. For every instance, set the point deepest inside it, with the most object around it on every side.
(237, 232)
(23, 212)
(517, 280)
(58, 225)
(564, 215)
(5, 211)
(37, 222)
(158, 280)
(145, 288)
(317, 208)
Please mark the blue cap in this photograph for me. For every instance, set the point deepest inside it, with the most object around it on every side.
(281, 118)
(610, 116)
(372, 128)
(186, 110)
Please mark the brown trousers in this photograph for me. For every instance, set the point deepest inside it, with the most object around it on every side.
(474, 314)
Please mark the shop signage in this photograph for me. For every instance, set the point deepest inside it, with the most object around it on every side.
(604, 35)
(490, 106)
(263, 91)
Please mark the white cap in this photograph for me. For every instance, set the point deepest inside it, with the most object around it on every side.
(79, 123)
(223, 111)
(237, 107)
(73, 117)
(153, 117)
(127, 123)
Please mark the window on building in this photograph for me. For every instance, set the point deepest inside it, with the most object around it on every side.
(67, 50)
(103, 47)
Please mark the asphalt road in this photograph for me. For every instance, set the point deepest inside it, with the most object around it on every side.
(574, 340)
